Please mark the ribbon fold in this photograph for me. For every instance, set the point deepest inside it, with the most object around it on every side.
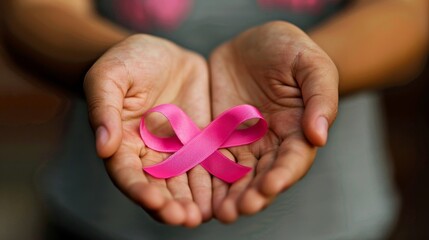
(192, 146)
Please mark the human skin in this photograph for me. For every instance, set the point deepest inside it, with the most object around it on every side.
(137, 74)
(67, 37)
(293, 82)
(280, 70)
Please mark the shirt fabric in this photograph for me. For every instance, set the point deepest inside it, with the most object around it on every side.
(347, 194)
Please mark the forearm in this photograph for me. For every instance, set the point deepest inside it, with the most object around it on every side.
(376, 43)
(59, 38)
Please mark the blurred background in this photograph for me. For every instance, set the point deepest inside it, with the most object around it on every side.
(33, 116)
(406, 112)
(31, 121)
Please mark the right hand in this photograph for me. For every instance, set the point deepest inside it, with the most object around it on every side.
(135, 75)
(277, 68)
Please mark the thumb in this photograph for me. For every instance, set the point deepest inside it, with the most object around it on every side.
(318, 78)
(105, 102)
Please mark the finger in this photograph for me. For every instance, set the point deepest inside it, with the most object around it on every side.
(200, 183)
(125, 170)
(193, 214)
(180, 191)
(318, 78)
(176, 189)
(220, 188)
(228, 210)
(174, 211)
(294, 159)
(252, 200)
(105, 98)
(149, 158)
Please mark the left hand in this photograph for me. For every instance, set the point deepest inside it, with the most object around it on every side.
(280, 70)
(132, 77)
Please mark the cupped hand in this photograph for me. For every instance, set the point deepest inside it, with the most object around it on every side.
(132, 77)
(280, 70)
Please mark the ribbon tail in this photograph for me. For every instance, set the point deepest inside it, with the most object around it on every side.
(224, 168)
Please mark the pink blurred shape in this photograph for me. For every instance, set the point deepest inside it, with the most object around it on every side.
(144, 14)
(296, 5)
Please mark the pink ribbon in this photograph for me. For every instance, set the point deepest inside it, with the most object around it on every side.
(192, 146)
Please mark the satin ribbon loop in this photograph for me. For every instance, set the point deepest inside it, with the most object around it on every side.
(192, 146)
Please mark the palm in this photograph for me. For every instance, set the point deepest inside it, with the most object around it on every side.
(274, 67)
(148, 72)
(259, 68)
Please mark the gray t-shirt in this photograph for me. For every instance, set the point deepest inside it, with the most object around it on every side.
(347, 193)
(210, 23)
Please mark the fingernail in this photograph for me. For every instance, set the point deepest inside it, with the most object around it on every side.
(101, 135)
(322, 127)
